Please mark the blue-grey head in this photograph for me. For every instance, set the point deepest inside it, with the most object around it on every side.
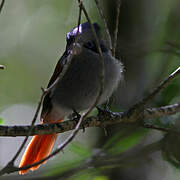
(86, 37)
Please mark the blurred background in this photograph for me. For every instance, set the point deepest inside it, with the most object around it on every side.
(32, 39)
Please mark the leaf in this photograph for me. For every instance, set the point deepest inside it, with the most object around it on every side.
(1, 121)
(79, 153)
(101, 178)
(80, 149)
(63, 167)
(85, 174)
(119, 143)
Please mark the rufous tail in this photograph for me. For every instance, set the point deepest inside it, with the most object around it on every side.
(39, 148)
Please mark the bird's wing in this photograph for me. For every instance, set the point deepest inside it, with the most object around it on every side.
(58, 69)
(47, 105)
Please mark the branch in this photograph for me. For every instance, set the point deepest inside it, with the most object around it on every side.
(138, 108)
(102, 120)
(162, 111)
(1, 5)
(75, 131)
(161, 86)
(116, 27)
(131, 116)
(9, 168)
(104, 160)
(108, 36)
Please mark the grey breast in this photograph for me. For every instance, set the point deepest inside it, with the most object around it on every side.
(80, 85)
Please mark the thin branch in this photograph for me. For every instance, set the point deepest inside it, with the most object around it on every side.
(127, 117)
(10, 166)
(173, 44)
(109, 118)
(116, 27)
(151, 126)
(45, 92)
(108, 36)
(60, 148)
(162, 85)
(1, 5)
(105, 160)
(162, 111)
(100, 57)
(173, 48)
(73, 134)
(139, 107)
(99, 51)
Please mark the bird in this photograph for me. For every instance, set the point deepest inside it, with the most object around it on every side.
(78, 89)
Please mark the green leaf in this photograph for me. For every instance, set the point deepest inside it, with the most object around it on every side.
(63, 167)
(1, 121)
(80, 149)
(85, 174)
(100, 178)
(79, 153)
(119, 143)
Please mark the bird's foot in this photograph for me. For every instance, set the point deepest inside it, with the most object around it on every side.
(76, 116)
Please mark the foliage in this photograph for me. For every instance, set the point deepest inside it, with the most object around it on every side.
(1, 121)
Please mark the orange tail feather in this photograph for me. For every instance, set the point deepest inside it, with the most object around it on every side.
(39, 148)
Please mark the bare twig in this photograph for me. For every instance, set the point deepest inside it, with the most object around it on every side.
(1, 5)
(93, 121)
(138, 108)
(45, 92)
(60, 148)
(108, 36)
(70, 138)
(100, 56)
(173, 48)
(129, 116)
(116, 27)
(73, 134)
(173, 44)
(151, 126)
(162, 111)
(117, 117)
(105, 160)
(10, 165)
(161, 86)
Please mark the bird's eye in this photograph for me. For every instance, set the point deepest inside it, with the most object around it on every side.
(90, 45)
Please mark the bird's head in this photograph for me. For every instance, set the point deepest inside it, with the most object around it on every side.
(86, 37)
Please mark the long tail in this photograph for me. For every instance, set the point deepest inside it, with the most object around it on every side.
(39, 148)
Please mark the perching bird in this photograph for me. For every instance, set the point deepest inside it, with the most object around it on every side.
(77, 90)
